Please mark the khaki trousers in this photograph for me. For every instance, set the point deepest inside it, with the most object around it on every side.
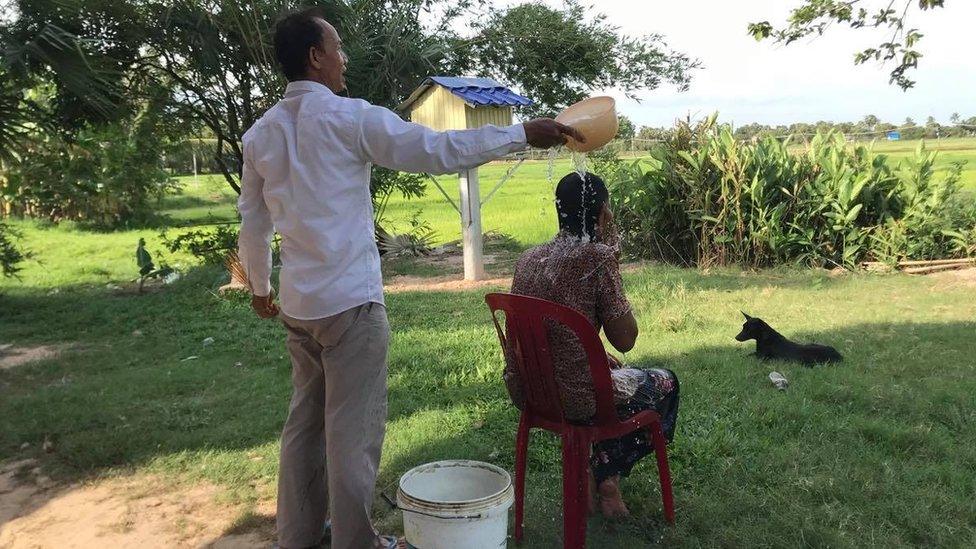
(331, 443)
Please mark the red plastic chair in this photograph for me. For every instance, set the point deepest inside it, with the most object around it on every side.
(526, 325)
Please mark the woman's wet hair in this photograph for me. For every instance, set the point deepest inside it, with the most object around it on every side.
(578, 203)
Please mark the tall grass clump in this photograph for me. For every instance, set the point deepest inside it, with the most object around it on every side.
(705, 198)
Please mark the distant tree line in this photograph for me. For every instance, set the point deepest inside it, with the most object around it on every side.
(868, 128)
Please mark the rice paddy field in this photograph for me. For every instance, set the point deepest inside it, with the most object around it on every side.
(521, 207)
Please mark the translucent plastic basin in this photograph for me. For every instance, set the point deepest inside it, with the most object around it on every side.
(595, 118)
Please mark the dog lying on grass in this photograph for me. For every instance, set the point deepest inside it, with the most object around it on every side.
(770, 344)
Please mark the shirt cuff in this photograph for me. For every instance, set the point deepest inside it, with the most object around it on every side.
(502, 138)
(517, 132)
(261, 288)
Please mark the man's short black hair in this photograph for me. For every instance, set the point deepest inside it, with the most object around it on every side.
(578, 203)
(295, 32)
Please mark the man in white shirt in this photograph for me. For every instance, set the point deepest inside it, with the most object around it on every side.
(306, 174)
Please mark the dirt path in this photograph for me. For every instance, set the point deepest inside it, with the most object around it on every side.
(11, 356)
(455, 283)
(961, 277)
(138, 511)
(448, 283)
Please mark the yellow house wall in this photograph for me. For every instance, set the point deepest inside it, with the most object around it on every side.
(481, 116)
(440, 109)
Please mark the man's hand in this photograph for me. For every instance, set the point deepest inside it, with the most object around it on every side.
(544, 133)
(264, 306)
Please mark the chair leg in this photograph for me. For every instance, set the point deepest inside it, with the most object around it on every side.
(664, 472)
(571, 492)
(583, 457)
(521, 455)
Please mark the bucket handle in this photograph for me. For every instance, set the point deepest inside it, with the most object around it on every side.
(393, 505)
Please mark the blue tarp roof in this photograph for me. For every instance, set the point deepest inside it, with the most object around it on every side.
(475, 91)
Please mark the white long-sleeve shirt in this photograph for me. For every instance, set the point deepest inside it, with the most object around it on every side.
(306, 174)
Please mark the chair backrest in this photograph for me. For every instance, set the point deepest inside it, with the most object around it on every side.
(527, 341)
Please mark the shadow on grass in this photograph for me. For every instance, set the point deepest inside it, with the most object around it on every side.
(138, 381)
(186, 201)
(837, 459)
(888, 429)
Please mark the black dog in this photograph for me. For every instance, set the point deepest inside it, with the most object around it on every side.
(770, 344)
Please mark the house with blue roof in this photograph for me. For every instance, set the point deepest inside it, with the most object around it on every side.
(455, 103)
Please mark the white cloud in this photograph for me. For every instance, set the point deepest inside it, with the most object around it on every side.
(748, 81)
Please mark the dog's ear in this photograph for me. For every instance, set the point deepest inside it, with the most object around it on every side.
(745, 315)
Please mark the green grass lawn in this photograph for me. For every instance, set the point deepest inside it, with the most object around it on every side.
(878, 451)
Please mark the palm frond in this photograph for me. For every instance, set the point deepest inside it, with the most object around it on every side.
(238, 274)
(65, 55)
(17, 116)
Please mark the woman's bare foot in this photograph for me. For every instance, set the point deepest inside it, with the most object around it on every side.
(611, 501)
(389, 542)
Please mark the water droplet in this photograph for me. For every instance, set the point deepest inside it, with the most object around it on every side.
(552, 161)
(579, 160)
(580, 164)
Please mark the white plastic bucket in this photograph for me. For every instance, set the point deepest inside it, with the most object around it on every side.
(456, 504)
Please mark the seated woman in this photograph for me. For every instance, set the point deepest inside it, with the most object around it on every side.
(579, 269)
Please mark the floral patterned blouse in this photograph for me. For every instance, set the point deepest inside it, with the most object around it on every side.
(584, 276)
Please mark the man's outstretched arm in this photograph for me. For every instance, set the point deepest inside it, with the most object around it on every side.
(391, 142)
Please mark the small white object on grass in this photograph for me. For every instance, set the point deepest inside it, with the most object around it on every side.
(778, 380)
(208, 342)
(191, 357)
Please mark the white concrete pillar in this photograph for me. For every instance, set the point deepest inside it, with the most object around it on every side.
(471, 235)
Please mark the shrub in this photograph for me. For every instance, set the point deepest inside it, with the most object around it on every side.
(209, 245)
(10, 253)
(106, 175)
(706, 198)
(418, 240)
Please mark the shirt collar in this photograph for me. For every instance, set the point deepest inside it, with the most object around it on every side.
(299, 87)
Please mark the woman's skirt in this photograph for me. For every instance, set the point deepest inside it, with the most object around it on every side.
(658, 391)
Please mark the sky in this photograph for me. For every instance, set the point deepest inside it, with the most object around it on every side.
(748, 81)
